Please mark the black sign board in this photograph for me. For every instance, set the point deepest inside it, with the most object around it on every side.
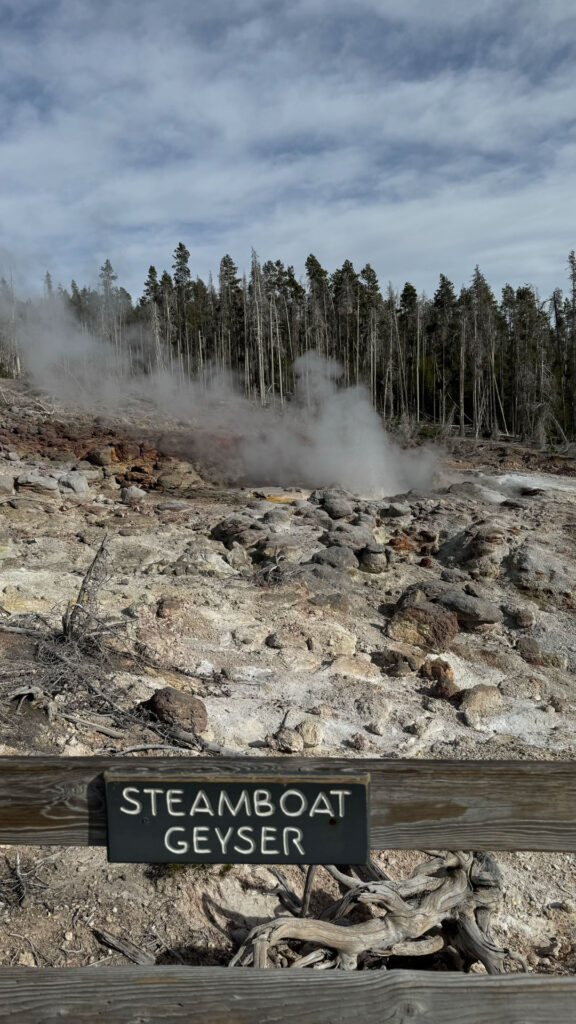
(309, 819)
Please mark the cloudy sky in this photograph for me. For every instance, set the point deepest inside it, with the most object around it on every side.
(422, 136)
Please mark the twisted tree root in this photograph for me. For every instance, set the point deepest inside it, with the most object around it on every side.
(446, 904)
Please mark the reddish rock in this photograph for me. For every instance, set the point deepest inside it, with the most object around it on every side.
(179, 709)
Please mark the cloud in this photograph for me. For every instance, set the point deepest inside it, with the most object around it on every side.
(424, 138)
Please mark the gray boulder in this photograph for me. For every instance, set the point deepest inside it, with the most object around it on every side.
(34, 482)
(75, 482)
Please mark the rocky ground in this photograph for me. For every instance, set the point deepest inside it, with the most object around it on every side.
(268, 621)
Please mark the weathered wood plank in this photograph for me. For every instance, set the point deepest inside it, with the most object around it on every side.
(481, 805)
(216, 995)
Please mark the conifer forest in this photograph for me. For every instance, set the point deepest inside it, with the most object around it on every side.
(467, 361)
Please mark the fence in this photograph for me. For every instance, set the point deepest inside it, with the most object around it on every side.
(470, 805)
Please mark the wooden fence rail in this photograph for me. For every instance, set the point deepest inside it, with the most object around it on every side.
(464, 805)
(216, 995)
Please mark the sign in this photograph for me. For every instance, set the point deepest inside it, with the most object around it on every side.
(307, 819)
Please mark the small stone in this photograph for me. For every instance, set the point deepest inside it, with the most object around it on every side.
(311, 733)
(274, 641)
(101, 456)
(373, 559)
(6, 485)
(322, 710)
(337, 556)
(437, 669)
(13, 457)
(338, 508)
(481, 699)
(36, 483)
(179, 709)
(559, 704)
(395, 510)
(426, 624)
(360, 742)
(75, 482)
(530, 650)
(377, 726)
(132, 493)
(290, 741)
(168, 607)
(522, 618)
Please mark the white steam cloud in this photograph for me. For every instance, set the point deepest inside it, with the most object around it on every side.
(323, 436)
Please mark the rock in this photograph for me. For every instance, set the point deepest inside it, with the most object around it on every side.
(439, 671)
(173, 707)
(175, 480)
(377, 726)
(481, 699)
(74, 481)
(6, 485)
(337, 557)
(101, 456)
(454, 575)
(360, 742)
(536, 570)
(558, 703)
(522, 618)
(471, 611)
(530, 650)
(322, 710)
(37, 484)
(395, 510)
(396, 663)
(169, 607)
(373, 559)
(238, 558)
(481, 549)
(337, 508)
(522, 686)
(289, 741)
(444, 688)
(426, 625)
(132, 493)
(311, 732)
(13, 457)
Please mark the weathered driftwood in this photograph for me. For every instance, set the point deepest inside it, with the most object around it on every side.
(445, 904)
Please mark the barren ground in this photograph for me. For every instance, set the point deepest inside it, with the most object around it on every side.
(320, 623)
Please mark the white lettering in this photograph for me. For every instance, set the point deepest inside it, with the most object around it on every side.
(268, 836)
(225, 804)
(299, 796)
(197, 839)
(174, 796)
(297, 838)
(263, 806)
(224, 840)
(181, 847)
(131, 800)
(245, 833)
(341, 794)
(153, 805)
(321, 805)
(201, 804)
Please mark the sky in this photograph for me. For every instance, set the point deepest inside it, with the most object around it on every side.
(421, 136)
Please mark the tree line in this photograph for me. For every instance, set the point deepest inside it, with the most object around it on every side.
(465, 360)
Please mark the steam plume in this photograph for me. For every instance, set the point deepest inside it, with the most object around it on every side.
(324, 436)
